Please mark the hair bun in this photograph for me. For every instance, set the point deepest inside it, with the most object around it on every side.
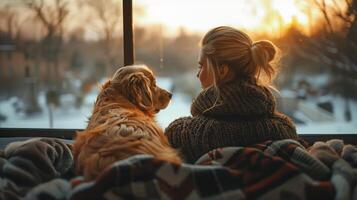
(263, 48)
(263, 52)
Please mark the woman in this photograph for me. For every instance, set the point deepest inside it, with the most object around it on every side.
(236, 107)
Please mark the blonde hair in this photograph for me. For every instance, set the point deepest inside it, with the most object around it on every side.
(246, 59)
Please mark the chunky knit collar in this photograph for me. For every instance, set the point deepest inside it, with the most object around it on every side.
(237, 99)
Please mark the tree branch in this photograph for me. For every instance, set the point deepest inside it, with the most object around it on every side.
(323, 9)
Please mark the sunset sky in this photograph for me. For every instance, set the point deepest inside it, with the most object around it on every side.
(256, 16)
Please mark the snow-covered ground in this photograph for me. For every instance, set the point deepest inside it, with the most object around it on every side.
(69, 117)
(338, 125)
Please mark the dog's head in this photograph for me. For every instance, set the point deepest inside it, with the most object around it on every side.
(138, 85)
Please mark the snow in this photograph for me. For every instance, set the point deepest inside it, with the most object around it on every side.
(178, 107)
(339, 125)
(328, 128)
(316, 81)
(70, 117)
(64, 117)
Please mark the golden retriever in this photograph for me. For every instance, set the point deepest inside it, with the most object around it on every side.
(122, 123)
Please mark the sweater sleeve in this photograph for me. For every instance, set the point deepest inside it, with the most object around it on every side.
(178, 132)
(187, 135)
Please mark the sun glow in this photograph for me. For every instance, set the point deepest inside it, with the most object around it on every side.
(289, 10)
(265, 16)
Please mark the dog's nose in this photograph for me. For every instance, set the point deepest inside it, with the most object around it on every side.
(170, 94)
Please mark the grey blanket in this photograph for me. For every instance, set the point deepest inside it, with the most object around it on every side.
(26, 164)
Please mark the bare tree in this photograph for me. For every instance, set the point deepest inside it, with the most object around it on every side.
(338, 48)
(344, 11)
(52, 16)
(9, 30)
(13, 24)
(348, 15)
(106, 20)
(11, 20)
(322, 6)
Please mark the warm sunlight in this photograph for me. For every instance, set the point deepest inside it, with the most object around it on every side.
(289, 9)
(200, 15)
(54, 52)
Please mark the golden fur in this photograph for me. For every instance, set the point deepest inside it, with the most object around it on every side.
(122, 123)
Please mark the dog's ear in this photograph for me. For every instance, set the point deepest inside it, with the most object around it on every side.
(139, 91)
(105, 85)
(105, 89)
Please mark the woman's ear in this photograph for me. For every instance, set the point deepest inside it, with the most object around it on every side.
(223, 71)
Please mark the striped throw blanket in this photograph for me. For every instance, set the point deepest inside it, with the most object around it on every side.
(284, 169)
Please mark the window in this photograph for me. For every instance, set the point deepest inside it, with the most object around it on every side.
(318, 66)
(53, 53)
(56, 66)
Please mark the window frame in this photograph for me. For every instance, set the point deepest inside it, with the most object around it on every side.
(128, 41)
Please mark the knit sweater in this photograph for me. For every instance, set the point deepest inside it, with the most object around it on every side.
(243, 114)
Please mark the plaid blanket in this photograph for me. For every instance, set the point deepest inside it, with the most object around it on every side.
(284, 169)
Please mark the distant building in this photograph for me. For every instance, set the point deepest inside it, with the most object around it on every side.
(11, 60)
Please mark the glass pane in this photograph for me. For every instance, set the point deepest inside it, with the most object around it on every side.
(52, 55)
(317, 38)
